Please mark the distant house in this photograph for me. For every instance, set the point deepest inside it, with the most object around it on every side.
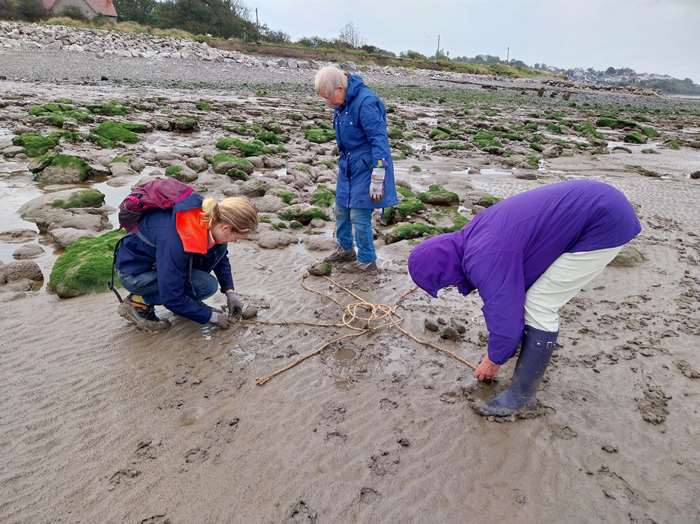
(89, 8)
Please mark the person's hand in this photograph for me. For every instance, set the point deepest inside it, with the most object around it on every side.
(487, 370)
(376, 187)
(234, 304)
(220, 319)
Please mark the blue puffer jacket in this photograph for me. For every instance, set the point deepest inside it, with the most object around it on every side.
(360, 131)
(174, 260)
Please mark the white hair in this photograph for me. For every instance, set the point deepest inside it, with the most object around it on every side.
(328, 78)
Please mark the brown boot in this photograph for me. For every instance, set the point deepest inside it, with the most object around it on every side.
(136, 311)
(341, 255)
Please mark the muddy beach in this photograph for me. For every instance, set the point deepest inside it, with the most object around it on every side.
(101, 422)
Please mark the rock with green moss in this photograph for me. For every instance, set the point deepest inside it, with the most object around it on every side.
(672, 144)
(323, 197)
(650, 132)
(58, 113)
(635, 138)
(270, 137)
(83, 198)
(110, 134)
(487, 141)
(109, 108)
(181, 172)
(588, 129)
(64, 169)
(451, 145)
(487, 201)
(36, 144)
(302, 213)
(405, 192)
(409, 206)
(232, 166)
(202, 105)
(252, 148)
(408, 231)
(441, 133)
(555, 128)
(615, 123)
(85, 267)
(185, 124)
(395, 133)
(439, 196)
(319, 135)
(286, 196)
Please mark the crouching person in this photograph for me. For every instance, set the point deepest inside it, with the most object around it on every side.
(169, 260)
(528, 256)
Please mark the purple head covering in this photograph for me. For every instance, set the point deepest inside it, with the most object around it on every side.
(437, 263)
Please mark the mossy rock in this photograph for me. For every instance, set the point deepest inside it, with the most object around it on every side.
(441, 133)
(439, 196)
(555, 128)
(109, 134)
(416, 169)
(270, 137)
(672, 144)
(36, 144)
(58, 113)
(451, 145)
(252, 148)
(85, 267)
(487, 201)
(405, 192)
(395, 133)
(286, 196)
(185, 124)
(65, 169)
(588, 129)
(459, 221)
(533, 161)
(398, 155)
(409, 206)
(109, 108)
(531, 126)
(615, 123)
(202, 105)
(84, 198)
(232, 166)
(487, 141)
(173, 170)
(319, 135)
(323, 197)
(302, 214)
(408, 231)
(650, 132)
(635, 138)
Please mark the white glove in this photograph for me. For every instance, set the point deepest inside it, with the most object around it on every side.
(234, 304)
(376, 187)
(220, 319)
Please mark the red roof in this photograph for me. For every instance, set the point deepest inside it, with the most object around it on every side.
(101, 7)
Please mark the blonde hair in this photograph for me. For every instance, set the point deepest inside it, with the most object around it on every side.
(328, 78)
(237, 212)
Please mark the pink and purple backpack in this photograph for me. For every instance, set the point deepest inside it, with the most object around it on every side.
(161, 193)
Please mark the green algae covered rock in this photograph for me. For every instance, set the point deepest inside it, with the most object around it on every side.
(85, 267)
(319, 135)
(438, 196)
(323, 197)
(36, 144)
(233, 166)
(252, 148)
(84, 198)
(64, 169)
(109, 133)
(302, 214)
(408, 231)
(635, 138)
(109, 108)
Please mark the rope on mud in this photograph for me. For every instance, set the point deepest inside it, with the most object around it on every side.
(362, 317)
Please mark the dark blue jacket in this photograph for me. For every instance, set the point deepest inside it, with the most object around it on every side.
(170, 259)
(360, 131)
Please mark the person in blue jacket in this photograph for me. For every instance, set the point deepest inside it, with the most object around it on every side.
(528, 256)
(169, 260)
(365, 169)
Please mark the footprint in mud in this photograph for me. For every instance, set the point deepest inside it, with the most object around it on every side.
(562, 432)
(383, 463)
(337, 437)
(122, 477)
(301, 513)
(369, 495)
(387, 405)
(146, 450)
(157, 519)
(223, 431)
(333, 412)
(615, 487)
(537, 411)
(688, 372)
(653, 405)
(196, 456)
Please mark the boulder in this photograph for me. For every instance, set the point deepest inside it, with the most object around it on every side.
(254, 188)
(630, 256)
(274, 239)
(27, 251)
(320, 243)
(65, 236)
(20, 271)
(268, 204)
(17, 235)
(197, 164)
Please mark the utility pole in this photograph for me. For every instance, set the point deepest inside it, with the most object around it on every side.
(257, 27)
(437, 53)
(507, 52)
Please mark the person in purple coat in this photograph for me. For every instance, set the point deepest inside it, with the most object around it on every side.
(528, 255)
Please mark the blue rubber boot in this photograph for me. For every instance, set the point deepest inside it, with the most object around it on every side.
(535, 352)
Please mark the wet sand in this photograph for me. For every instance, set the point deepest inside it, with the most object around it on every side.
(102, 423)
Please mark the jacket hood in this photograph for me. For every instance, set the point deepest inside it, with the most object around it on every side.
(355, 84)
(437, 263)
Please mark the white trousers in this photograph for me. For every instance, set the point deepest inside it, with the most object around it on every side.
(560, 283)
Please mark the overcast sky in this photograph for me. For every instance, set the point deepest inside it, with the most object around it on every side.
(653, 36)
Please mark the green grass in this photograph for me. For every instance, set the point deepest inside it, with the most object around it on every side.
(84, 198)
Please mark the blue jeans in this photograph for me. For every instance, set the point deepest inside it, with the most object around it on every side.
(145, 284)
(347, 219)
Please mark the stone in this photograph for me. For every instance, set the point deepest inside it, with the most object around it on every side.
(321, 269)
(695, 175)
(431, 325)
(449, 333)
(65, 236)
(320, 243)
(459, 326)
(318, 223)
(17, 235)
(21, 270)
(630, 256)
(27, 251)
(254, 188)
(197, 164)
(121, 169)
(274, 239)
(268, 203)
